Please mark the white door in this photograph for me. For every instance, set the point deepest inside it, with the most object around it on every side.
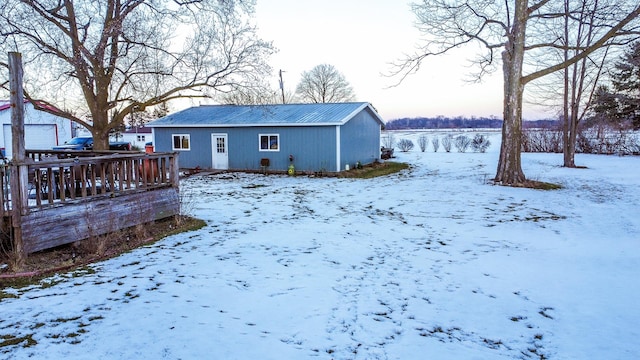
(219, 147)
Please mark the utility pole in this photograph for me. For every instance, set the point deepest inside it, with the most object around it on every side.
(282, 85)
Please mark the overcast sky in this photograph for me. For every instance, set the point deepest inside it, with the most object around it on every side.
(361, 39)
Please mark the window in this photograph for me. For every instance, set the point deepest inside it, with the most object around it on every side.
(220, 145)
(181, 142)
(269, 142)
(140, 138)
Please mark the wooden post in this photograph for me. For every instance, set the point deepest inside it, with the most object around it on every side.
(174, 170)
(19, 172)
(17, 106)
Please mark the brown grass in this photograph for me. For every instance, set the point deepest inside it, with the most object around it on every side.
(96, 248)
(539, 185)
(374, 170)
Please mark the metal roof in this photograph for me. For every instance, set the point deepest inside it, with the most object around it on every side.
(265, 115)
(6, 104)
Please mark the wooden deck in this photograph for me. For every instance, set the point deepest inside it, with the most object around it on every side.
(66, 196)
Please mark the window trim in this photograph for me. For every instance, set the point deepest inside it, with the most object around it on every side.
(269, 135)
(182, 136)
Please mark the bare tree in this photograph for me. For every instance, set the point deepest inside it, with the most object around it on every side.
(139, 118)
(580, 78)
(104, 60)
(573, 89)
(521, 30)
(324, 84)
(249, 96)
(258, 93)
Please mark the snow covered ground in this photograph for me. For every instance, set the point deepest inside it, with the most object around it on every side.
(430, 263)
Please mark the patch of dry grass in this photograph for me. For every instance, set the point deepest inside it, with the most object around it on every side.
(77, 255)
(374, 170)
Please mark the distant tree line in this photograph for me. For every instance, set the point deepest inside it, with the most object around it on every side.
(459, 122)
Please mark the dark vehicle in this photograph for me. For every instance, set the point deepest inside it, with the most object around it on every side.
(386, 153)
(86, 143)
(120, 145)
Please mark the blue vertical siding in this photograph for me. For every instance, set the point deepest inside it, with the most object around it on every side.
(198, 155)
(360, 140)
(314, 148)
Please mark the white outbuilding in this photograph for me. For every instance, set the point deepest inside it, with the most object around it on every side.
(42, 130)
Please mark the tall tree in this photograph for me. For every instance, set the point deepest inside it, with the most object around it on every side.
(257, 93)
(605, 107)
(620, 105)
(522, 31)
(243, 97)
(580, 78)
(105, 60)
(324, 84)
(140, 118)
(626, 83)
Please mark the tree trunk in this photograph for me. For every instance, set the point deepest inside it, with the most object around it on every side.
(100, 132)
(509, 164)
(100, 139)
(567, 109)
(569, 139)
(567, 119)
(574, 116)
(102, 124)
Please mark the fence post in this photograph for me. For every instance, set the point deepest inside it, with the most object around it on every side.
(174, 170)
(19, 174)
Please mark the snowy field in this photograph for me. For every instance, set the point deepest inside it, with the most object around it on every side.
(430, 263)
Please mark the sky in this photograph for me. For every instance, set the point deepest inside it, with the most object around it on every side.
(430, 263)
(362, 39)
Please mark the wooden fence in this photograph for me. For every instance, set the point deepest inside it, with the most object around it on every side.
(66, 196)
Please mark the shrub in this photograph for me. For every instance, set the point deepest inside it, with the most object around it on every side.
(634, 146)
(436, 143)
(480, 143)
(405, 145)
(584, 144)
(389, 141)
(422, 142)
(462, 143)
(595, 140)
(542, 140)
(446, 143)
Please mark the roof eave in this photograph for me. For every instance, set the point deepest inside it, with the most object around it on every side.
(343, 120)
(359, 109)
(245, 125)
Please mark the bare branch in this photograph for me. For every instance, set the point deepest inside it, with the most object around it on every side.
(449, 25)
(527, 32)
(615, 31)
(117, 55)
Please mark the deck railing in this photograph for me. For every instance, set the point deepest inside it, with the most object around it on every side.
(58, 177)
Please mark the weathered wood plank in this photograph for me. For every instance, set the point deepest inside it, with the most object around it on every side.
(79, 197)
(59, 225)
(19, 175)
